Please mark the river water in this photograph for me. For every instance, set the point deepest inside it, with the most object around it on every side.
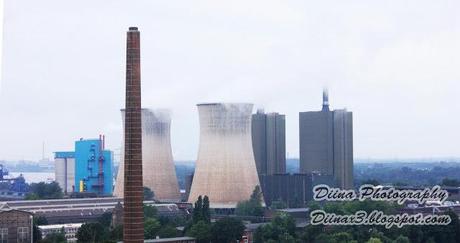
(34, 177)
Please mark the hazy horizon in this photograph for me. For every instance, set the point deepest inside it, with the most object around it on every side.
(394, 64)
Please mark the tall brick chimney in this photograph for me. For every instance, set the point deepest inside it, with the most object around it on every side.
(133, 215)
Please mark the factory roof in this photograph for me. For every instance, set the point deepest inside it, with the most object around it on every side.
(59, 226)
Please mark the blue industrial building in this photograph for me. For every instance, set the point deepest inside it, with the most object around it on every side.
(93, 167)
(88, 169)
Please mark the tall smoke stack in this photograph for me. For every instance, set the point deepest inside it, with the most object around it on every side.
(133, 215)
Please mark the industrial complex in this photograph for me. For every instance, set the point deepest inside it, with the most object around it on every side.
(238, 152)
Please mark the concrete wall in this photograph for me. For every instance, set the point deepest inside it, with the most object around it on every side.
(159, 173)
(225, 169)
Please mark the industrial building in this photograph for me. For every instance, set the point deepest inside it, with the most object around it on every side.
(133, 193)
(292, 189)
(93, 167)
(15, 225)
(81, 210)
(225, 169)
(269, 142)
(69, 230)
(295, 190)
(326, 143)
(86, 170)
(64, 171)
(159, 173)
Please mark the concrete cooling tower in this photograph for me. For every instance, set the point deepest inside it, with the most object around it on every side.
(159, 173)
(225, 170)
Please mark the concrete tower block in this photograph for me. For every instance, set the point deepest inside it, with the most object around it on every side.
(159, 173)
(225, 170)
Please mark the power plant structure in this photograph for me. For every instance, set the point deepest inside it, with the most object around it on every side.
(64, 170)
(159, 173)
(88, 169)
(326, 143)
(133, 193)
(225, 169)
(269, 142)
(93, 167)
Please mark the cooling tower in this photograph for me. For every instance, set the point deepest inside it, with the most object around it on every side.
(225, 170)
(159, 173)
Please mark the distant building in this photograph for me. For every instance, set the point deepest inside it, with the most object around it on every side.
(295, 190)
(93, 167)
(269, 142)
(15, 225)
(69, 230)
(88, 170)
(326, 143)
(64, 171)
(184, 239)
(82, 210)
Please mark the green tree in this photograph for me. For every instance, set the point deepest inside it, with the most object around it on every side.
(371, 182)
(32, 196)
(278, 204)
(227, 230)
(206, 213)
(342, 237)
(148, 194)
(201, 210)
(91, 233)
(44, 190)
(281, 226)
(105, 219)
(40, 220)
(151, 228)
(167, 231)
(253, 206)
(402, 239)
(374, 240)
(54, 238)
(198, 210)
(36, 233)
(150, 211)
(450, 182)
(201, 231)
(116, 234)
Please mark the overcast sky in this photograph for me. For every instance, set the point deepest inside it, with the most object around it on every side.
(394, 64)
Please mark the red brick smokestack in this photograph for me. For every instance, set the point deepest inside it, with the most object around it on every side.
(133, 215)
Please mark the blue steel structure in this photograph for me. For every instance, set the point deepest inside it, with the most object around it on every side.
(93, 167)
